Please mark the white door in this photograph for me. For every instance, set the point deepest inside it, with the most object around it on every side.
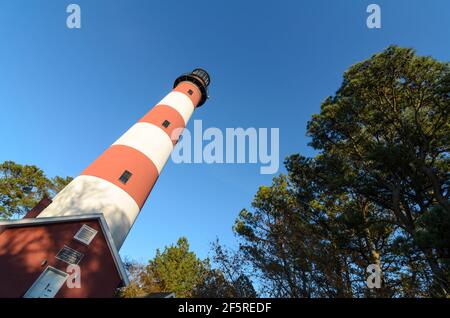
(47, 284)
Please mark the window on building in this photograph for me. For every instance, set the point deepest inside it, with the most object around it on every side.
(86, 234)
(69, 255)
(166, 123)
(190, 92)
(126, 175)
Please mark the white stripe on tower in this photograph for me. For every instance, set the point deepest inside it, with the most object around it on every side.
(119, 181)
(180, 102)
(138, 137)
(87, 195)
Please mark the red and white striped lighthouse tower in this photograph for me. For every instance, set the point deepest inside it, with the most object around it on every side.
(119, 181)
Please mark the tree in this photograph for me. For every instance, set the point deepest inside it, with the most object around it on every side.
(377, 192)
(176, 269)
(179, 270)
(229, 279)
(23, 186)
(305, 241)
(385, 136)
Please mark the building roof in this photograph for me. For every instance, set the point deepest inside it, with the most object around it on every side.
(71, 218)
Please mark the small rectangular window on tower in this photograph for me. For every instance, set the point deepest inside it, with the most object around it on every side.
(126, 175)
(166, 123)
(190, 92)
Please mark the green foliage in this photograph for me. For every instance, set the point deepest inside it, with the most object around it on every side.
(385, 136)
(23, 186)
(385, 133)
(178, 270)
(304, 241)
(377, 192)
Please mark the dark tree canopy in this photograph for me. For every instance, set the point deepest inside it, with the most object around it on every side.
(385, 134)
(376, 193)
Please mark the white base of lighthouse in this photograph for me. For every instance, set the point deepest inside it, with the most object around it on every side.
(87, 195)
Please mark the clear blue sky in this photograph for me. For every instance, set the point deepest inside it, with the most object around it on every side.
(66, 95)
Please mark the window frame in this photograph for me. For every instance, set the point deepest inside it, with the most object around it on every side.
(125, 175)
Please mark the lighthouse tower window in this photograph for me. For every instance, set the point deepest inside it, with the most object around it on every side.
(166, 123)
(190, 92)
(126, 175)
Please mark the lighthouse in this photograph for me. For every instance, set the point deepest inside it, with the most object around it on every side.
(119, 181)
(87, 222)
